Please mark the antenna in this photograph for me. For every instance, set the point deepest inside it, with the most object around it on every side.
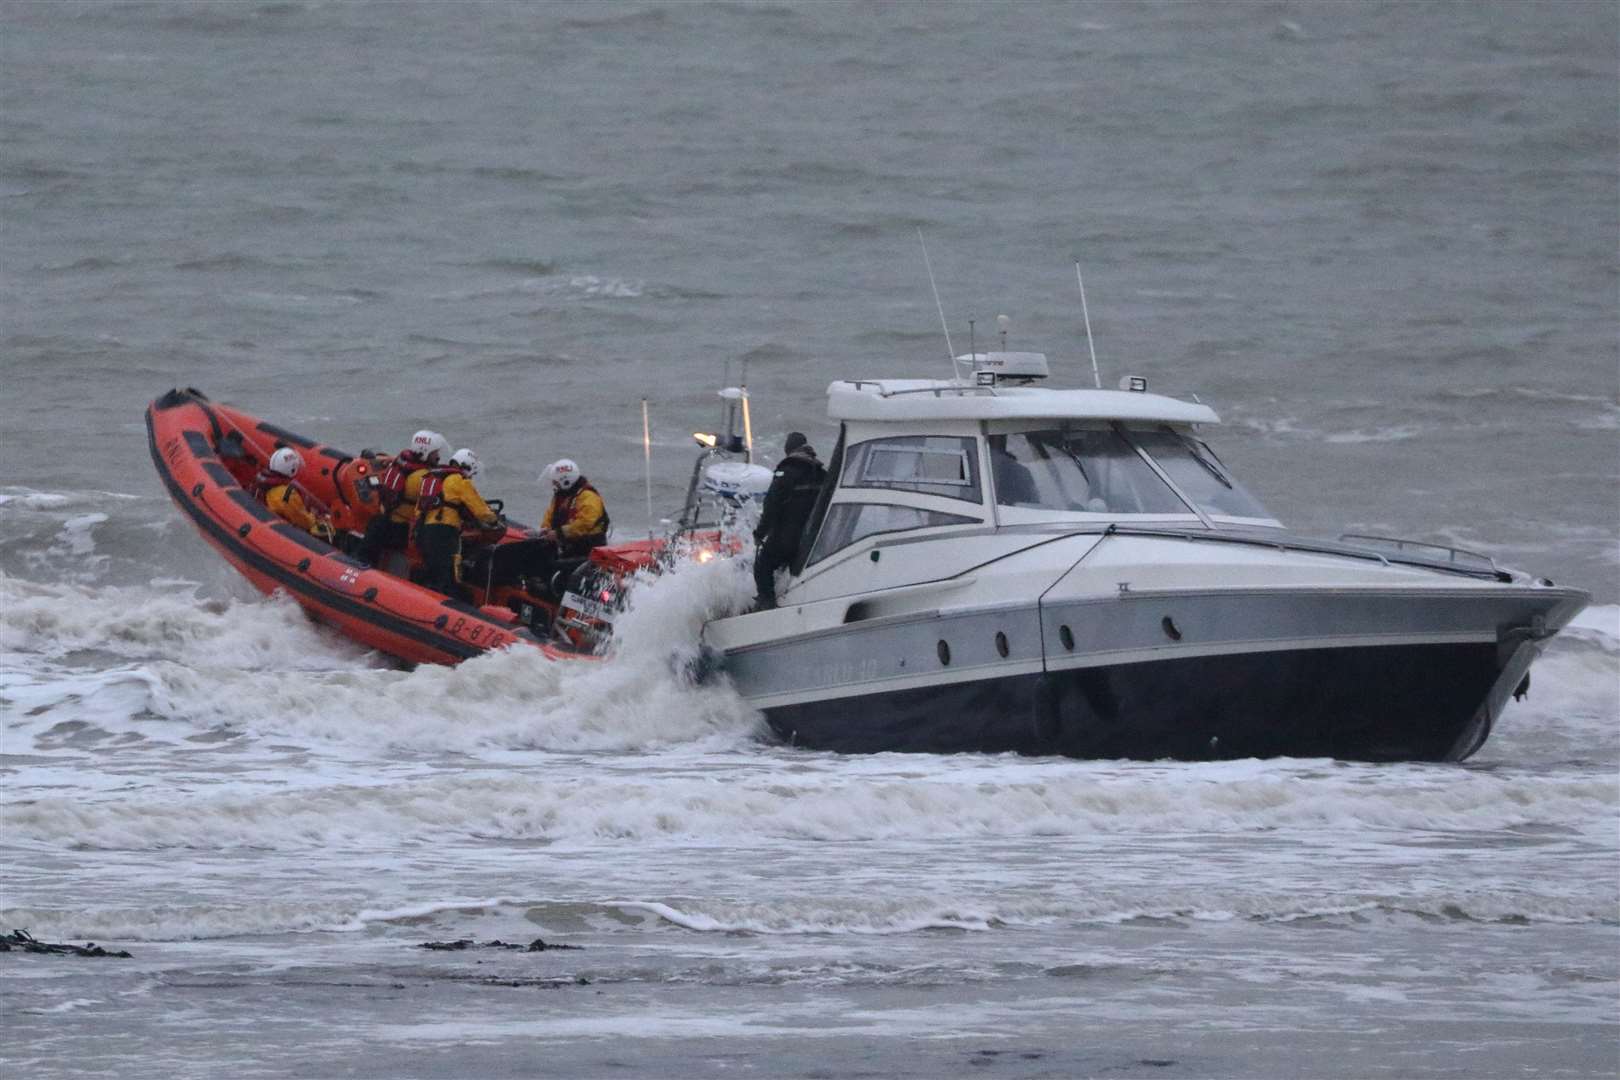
(748, 422)
(646, 457)
(1087, 315)
(942, 323)
(726, 407)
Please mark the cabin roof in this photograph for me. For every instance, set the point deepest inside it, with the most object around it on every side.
(907, 400)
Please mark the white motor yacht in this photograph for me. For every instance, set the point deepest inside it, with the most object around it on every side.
(995, 565)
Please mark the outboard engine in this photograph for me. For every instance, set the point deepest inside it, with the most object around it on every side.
(738, 488)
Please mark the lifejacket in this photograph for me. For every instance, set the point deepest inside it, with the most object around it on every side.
(391, 484)
(440, 502)
(563, 509)
(264, 481)
(431, 497)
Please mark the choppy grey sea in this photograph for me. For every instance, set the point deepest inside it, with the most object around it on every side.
(1379, 239)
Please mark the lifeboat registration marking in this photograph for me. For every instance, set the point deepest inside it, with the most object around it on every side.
(478, 633)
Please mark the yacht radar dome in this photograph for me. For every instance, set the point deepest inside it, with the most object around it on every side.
(735, 481)
(990, 368)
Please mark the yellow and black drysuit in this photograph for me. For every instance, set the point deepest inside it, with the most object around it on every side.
(579, 519)
(294, 505)
(446, 500)
(578, 522)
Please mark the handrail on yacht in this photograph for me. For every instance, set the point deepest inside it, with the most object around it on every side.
(1453, 554)
(937, 391)
(1488, 569)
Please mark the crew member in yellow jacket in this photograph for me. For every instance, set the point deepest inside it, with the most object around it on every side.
(398, 486)
(576, 521)
(446, 502)
(288, 501)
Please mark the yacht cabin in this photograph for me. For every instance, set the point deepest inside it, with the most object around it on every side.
(920, 458)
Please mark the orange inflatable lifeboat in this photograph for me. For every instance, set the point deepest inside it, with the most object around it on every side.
(207, 455)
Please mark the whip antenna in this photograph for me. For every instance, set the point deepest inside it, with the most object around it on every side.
(646, 458)
(942, 323)
(748, 423)
(1087, 316)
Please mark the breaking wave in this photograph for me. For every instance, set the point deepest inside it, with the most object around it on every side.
(560, 805)
(900, 912)
(260, 667)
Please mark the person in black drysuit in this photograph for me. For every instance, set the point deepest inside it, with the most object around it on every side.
(788, 503)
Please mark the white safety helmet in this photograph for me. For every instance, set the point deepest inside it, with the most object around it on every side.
(286, 462)
(429, 444)
(562, 474)
(465, 460)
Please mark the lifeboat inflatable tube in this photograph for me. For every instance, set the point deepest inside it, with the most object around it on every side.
(206, 454)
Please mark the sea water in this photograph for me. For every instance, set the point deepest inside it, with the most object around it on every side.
(1378, 241)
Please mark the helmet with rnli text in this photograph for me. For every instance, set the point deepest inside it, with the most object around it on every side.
(465, 460)
(562, 474)
(429, 445)
(286, 462)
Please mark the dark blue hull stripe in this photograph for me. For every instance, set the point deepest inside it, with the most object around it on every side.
(1377, 703)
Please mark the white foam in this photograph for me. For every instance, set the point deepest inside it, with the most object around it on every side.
(1400, 433)
(615, 288)
(1572, 711)
(22, 498)
(78, 533)
(903, 901)
(34, 500)
(1599, 623)
(172, 624)
(586, 808)
(262, 667)
(63, 1007)
(897, 916)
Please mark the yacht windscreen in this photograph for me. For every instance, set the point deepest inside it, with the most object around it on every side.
(848, 523)
(927, 464)
(1094, 470)
(1193, 467)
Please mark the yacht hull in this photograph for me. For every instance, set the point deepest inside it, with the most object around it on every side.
(1381, 703)
(1419, 674)
(994, 566)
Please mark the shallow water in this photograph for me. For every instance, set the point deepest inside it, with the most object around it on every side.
(1378, 240)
